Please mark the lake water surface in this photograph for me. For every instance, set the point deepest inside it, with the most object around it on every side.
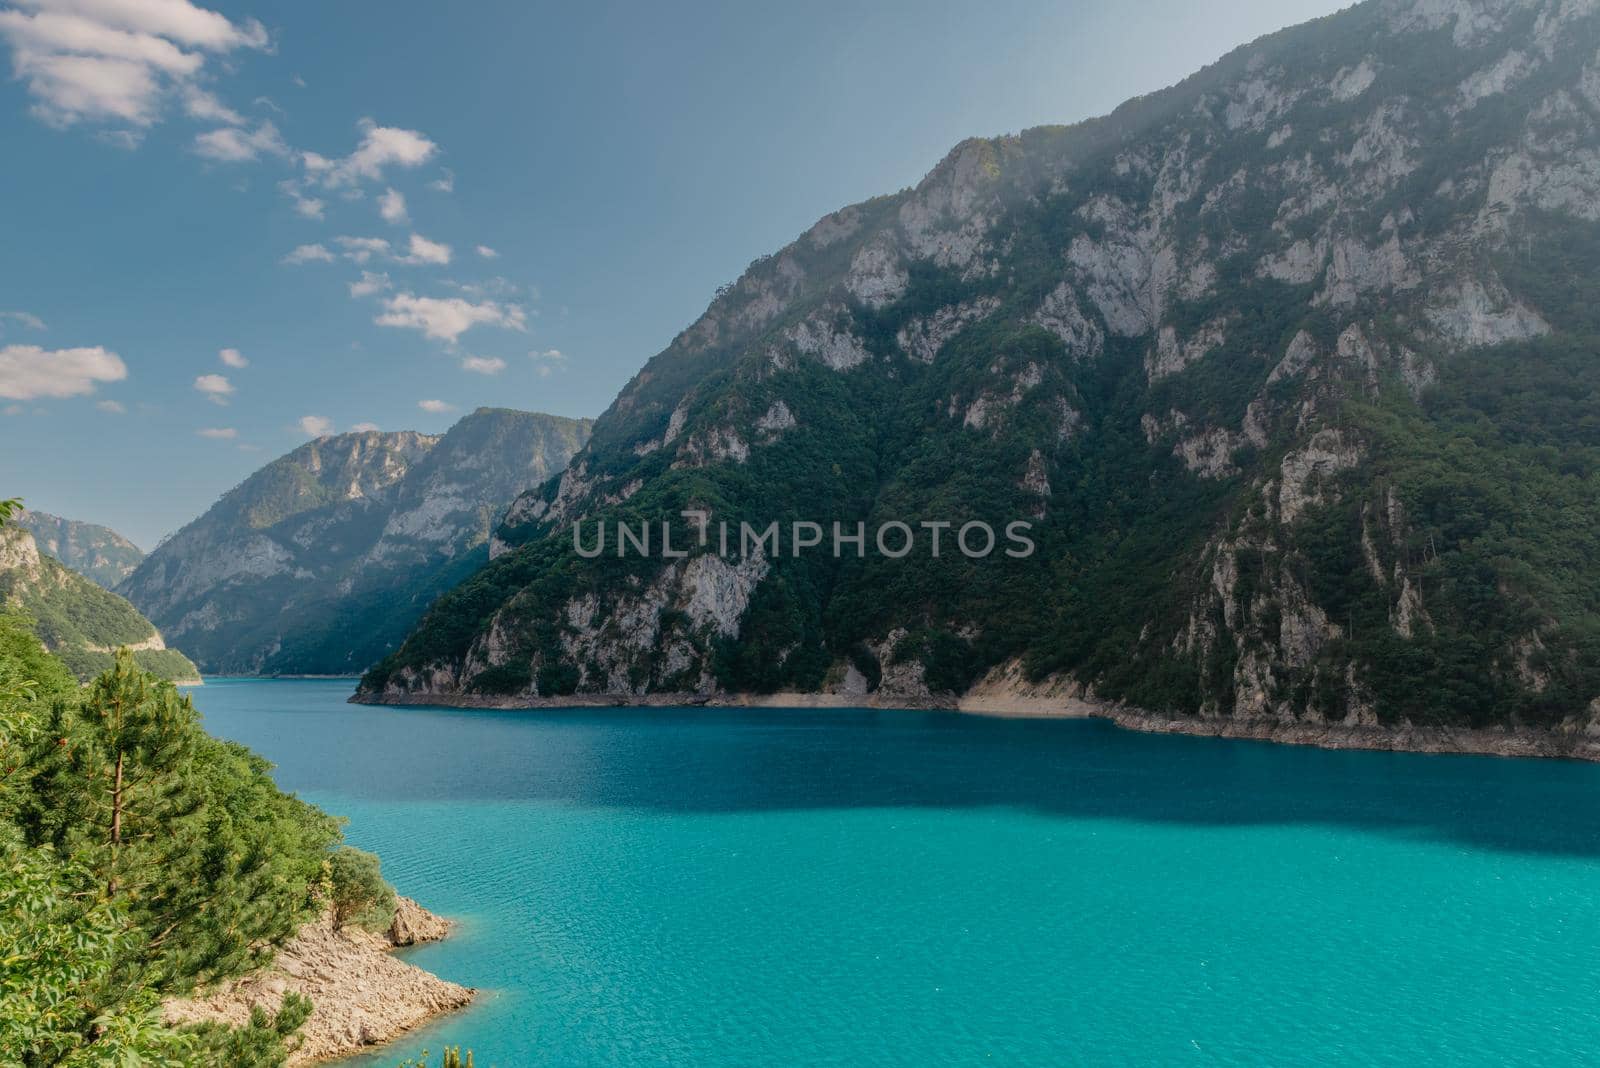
(718, 887)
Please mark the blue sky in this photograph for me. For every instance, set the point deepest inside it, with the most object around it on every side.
(498, 203)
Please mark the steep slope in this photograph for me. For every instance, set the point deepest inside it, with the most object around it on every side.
(319, 562)
(76, 619)
(95, 552)
(1289, 365)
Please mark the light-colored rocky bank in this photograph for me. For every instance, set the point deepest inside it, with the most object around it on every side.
(1006, 692)
(361, 995)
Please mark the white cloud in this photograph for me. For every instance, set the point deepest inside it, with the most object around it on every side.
(28, 372)
(446, 183)
(381, 147)
(483, 365)
(370, 284)
(111, 406)
(548, 361)
(392, 206)
(425, 251)
(232, 358)
(364, 428)
(435, 406)
(317, 426)
(310, 207)
(309, 254)
(203, 105)
(220, 433)
(177, 19)
(446, 319)
(119, 61)
(216, 388)
(488, 253)
(27, 319)
(362, 249)
(230, 144)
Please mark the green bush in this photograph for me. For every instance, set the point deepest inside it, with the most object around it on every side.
(357, 892)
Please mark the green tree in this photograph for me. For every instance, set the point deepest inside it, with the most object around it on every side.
(357, 890)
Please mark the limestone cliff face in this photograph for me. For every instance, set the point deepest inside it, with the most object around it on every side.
(1185, 338)
(75, 618)
(95, 552)
(317, 563)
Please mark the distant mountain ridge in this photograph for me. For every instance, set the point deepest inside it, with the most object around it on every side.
(96, 552)
(320, 561)
(76, 619)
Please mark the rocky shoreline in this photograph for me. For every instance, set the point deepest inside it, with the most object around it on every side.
(1005, 693)
(361, 995)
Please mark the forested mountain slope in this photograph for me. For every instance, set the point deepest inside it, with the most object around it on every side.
(1292, 365)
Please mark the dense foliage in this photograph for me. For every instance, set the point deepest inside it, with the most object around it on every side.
(140, 858)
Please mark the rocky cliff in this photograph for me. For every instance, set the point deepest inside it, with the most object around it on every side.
(95, 552)
(320, 561)
(76, 619)
(1290, 366)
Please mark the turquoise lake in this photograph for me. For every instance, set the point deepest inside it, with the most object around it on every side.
(718, 887)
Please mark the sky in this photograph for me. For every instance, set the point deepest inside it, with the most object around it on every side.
(230, 229)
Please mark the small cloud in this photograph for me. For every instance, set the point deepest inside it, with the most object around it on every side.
(488, 253)
(216, 388)
(110, 406)
(381, 147)
(435, 406)
(28, 372)
(299, 82)
(314, 253)
(392, 206)
(446, 319)
(370, 284)
(200, 104)
(316, 426)
(483, 365)
(232, 144)
(220, 433)
(362, 249)
(308, 206)
(445, 183)
(425, 251)
(548, 361)
(11, 409)
(364, 428)
(22, 318)
(233, 358)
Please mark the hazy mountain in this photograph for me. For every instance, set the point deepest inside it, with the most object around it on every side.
(319, 562)
(1291, 364)
(76, 619)
(96, 552)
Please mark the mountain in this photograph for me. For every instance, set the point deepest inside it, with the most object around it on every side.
(319, 562)
(76, 619)
(96, 552)
(1291, 367)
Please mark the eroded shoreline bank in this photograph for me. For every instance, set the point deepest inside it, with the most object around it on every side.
(1050, 702)
(361, 995)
